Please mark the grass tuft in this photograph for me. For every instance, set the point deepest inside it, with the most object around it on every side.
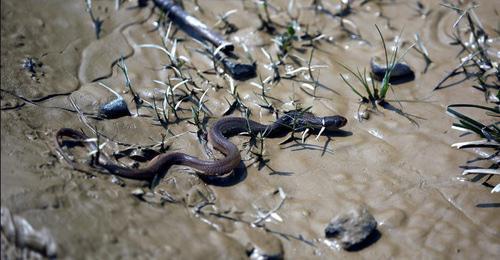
(373, 93)
(489, 137)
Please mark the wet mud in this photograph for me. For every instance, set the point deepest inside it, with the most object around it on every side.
(403, 171)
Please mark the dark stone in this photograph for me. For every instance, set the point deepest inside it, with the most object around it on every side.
(142, 3)
(114, 109)
(240, 71)
(352, 228)
(401, 72)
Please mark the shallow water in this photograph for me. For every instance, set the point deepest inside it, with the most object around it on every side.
(405, 173)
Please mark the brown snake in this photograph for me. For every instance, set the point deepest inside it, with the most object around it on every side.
(217, 136)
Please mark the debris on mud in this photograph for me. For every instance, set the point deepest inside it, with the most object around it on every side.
(19, 231)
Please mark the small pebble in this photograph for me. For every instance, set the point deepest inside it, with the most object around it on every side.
(493, 96)
(31, 64)
(364, 114)
(137, 192)
(117, 181)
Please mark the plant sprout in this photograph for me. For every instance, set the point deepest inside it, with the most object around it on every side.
(374, 93)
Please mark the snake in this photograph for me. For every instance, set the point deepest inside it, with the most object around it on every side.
(218, 136)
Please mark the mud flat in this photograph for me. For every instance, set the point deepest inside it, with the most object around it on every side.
(398, 164)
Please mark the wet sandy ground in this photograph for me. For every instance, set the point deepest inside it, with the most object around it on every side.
(407, 175)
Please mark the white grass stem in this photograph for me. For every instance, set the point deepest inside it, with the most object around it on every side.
(481, 171)
(111, 90)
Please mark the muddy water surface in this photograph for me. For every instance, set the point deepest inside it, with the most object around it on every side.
(404, 171)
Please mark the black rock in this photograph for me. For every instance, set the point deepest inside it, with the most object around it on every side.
(352, 228)
(401, 72)
(240, 71)
(114, 109)
(142, 3)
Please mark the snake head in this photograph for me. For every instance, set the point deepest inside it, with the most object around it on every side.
(333, 123)
(301, 120)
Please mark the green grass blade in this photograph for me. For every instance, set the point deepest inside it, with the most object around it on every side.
(471, 127)
(464, 118)
(351, 71)
(385, 47)
(362, 79)
(490, 132)
(492, 109)
(349, 84)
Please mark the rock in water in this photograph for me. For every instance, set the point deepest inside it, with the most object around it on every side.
(350, 229)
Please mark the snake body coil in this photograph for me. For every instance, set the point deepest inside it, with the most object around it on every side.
(217, 136)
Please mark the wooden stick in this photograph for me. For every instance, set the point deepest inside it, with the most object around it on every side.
(192, 26)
